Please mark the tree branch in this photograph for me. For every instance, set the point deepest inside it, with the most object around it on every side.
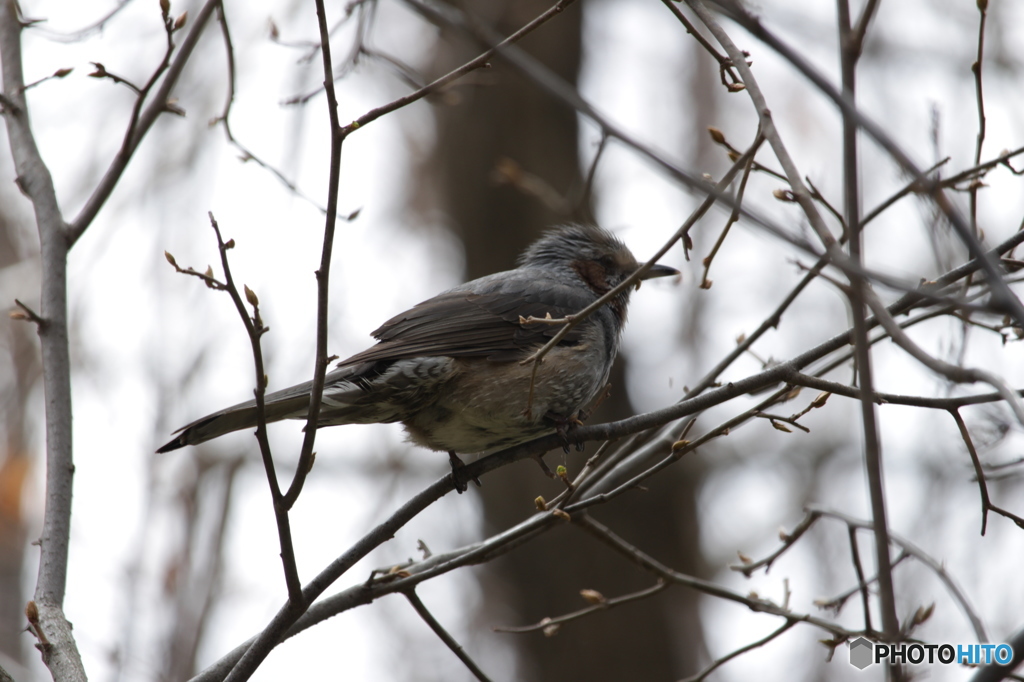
(140, 124)
(60, 652)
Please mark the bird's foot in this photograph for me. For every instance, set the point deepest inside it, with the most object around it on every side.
(564, 426)
(458, 477)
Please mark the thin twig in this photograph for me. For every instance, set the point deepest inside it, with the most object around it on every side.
(950, 403)
(1004, 297)
(952, 372)
(655, 567)
(324, 271)
(26, 314)
(224, 119)
(448, 78)
(836, 603)
(140, 123)
(767, 126)
(725, 65)
(857, 293)
(444, 635)
(719, 662)
(865, 596)
(271, 635)
(788, 540)
(548, 624)
(924, 558)
(979, 472)
(979, 170)
(734, 216)
(86, 31)
(580, 201)
(980, 97)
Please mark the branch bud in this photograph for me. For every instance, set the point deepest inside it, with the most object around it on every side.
(250, 296)
(923, 613)
(821, 399)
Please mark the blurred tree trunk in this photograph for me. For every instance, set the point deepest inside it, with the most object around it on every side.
(17, 378)
(483, 126)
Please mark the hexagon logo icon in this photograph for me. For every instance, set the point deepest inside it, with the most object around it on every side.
(861, 653)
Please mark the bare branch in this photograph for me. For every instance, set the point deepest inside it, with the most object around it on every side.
(224, 119)
(1005, 298)
(788, 540)
(950, 371)
(141, 121)
(767, 125)
(836, 603)
(255, 329)
(452, 76)
(719, 662)
(443, 634)
(979, 472)
(324, 272)
(60, 652)
(551, 625)
(951, 403)
(924, 558)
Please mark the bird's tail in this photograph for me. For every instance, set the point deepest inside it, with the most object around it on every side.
(235, 418)
(289, 403)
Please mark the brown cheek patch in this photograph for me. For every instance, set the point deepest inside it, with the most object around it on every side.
(593, 274)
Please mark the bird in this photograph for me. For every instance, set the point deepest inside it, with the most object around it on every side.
(451, 369)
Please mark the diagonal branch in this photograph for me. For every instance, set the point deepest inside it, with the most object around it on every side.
(926, 559)
(444, 635)
(1002, 293)
(140, 124)
(461, 71)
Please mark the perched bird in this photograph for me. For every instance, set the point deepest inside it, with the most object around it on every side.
(450, 368)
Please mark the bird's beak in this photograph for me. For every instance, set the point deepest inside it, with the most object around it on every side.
(657, 270)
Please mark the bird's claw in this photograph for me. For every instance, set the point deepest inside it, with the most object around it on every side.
(461, 483)
(564, 426)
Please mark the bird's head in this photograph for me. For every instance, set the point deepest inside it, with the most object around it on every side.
(592, 256)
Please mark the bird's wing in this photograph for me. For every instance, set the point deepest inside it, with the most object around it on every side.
(466, 324)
